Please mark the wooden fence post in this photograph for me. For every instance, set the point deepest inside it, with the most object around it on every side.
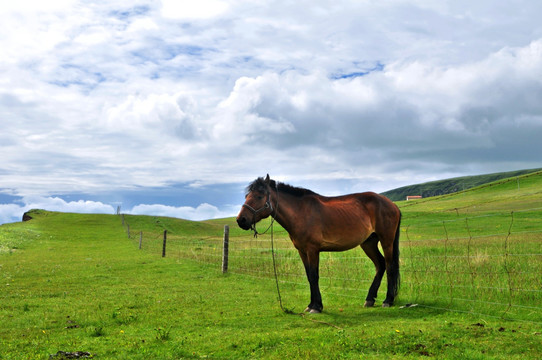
(140, 239)
(225, 249)
(164, 246)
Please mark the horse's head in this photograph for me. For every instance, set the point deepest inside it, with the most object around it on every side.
(257, 204)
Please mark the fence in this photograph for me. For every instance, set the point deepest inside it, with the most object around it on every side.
(489, 264)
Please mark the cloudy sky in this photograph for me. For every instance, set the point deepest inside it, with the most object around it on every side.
(172, 107)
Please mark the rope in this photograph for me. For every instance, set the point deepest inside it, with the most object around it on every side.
(256, 233)
(287, 311)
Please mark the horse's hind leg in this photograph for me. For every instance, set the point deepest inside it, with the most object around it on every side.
(392, 271)
(370, 246)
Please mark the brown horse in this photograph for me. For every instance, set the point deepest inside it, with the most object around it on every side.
(318, 223)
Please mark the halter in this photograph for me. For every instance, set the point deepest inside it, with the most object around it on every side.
(267, 205)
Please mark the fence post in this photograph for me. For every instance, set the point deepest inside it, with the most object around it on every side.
(225, 249)
(140, 239)
(164, 246)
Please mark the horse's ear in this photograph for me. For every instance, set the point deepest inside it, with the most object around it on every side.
(267, 179)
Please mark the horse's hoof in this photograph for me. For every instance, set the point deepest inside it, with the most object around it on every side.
(386, 305)
(308, 309)
(314, 311)
(368, 303)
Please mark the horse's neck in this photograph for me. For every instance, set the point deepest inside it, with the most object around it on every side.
(289, 212)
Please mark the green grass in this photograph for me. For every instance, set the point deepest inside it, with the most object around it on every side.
(73, 282)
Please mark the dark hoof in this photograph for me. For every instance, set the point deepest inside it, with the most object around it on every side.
(369, 303)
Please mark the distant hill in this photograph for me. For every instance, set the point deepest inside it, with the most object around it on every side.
(448, 186)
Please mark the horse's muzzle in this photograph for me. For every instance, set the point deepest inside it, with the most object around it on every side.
(243, 223)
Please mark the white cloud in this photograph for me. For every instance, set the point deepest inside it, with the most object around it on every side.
(25, 6)
(192, 10)
(10, 213)
(14, 212)
(202, 212)
(163, 114)
(134, 95)
(58, 204)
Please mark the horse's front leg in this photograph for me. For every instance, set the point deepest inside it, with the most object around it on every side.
(311, 261)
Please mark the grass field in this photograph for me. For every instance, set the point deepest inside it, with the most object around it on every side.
(73, 282)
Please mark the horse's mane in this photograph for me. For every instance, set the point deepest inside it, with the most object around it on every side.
(259, 185)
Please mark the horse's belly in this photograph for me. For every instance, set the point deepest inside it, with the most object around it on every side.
(340, 244)
(345, 237)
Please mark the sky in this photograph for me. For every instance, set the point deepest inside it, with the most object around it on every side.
(171, 108)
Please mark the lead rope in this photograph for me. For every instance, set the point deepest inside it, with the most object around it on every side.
(285, 310)
(256, 232)
(275, 271)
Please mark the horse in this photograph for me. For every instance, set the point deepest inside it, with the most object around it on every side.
(317, 223)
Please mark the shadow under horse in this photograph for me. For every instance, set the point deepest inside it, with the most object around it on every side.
(318, 223)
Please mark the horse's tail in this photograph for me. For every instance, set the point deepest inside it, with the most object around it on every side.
(395, 275)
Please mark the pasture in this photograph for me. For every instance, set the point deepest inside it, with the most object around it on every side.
(470, 261)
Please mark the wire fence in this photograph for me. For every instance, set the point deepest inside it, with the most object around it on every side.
(489, 265)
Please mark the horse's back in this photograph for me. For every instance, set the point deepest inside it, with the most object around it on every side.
(370, 210)
(365, 202)
(347, 220)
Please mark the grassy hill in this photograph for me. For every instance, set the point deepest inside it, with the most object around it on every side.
(76, 282)
(448, 186)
